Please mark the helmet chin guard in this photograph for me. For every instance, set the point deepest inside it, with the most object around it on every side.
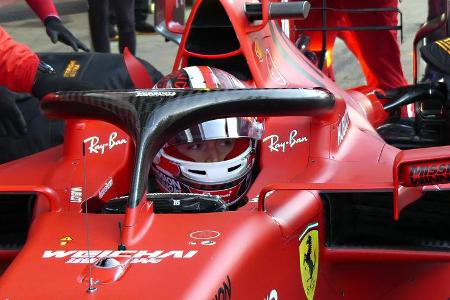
(229, 178)
(214, 172)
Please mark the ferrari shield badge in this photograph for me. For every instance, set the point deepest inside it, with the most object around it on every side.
(309, 261)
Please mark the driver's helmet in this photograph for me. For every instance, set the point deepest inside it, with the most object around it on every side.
(214, 157)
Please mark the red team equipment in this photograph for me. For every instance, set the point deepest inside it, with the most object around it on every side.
(18, 64)
(377, 50)
(43, 8)
(334, 209)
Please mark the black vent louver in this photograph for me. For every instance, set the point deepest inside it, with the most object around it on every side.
(365, 220)
(211, 31)
(15, 219)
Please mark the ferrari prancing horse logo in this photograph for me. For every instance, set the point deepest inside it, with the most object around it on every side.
(309, 262)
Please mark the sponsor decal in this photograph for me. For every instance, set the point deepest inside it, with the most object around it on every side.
(309, 260)
(444, 44)
(275, 145)
(204, 234)
(94, 145)
(65, 240)
(76, 194)
(259, 52)
(207, 243)
(272, 296)
(343, 128)
(274, 73)
(429, 174)
(170, 184)
(224, 292)
(105, 188)
(136, 256)
(155, 93)
(205, 237)
(71, 69)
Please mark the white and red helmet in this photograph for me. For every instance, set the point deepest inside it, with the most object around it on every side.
(230, 177)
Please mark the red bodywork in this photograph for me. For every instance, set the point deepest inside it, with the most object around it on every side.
(252, 253)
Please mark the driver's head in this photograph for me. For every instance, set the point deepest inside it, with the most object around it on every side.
(214, 157)
(207, 151)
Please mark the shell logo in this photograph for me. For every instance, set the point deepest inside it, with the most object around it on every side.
(65, 240)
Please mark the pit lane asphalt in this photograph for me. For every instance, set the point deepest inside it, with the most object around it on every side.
(28, 29)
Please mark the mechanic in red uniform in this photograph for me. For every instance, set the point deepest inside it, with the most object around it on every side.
(377, 50)
(22, 71)
(46, 11)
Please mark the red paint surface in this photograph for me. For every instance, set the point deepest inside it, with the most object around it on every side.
(257, 250)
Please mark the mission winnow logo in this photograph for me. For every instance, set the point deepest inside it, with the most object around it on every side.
(429, 174)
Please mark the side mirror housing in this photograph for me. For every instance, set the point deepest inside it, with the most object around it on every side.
(170, 19)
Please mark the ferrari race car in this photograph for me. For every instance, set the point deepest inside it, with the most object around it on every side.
(333, 210)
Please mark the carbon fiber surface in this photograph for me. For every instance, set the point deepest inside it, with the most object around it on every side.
(152, 117)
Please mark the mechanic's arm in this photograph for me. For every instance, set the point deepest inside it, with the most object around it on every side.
(22, 71)
(18, 64)
(46, 11)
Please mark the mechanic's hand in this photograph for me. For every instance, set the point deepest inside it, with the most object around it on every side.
(47, 83)
(12, 122)
(58, 32)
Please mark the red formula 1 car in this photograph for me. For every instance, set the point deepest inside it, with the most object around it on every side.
(334, 210)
